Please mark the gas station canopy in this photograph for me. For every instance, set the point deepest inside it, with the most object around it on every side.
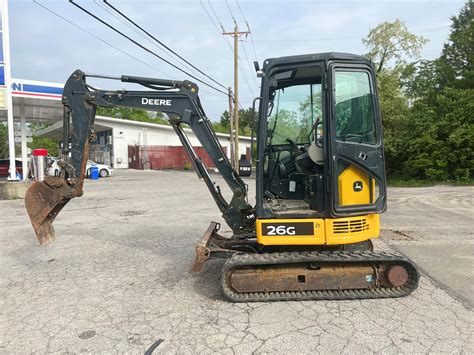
(40, 101)
(33, 102)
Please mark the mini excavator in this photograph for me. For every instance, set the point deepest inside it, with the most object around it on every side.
(320, 179)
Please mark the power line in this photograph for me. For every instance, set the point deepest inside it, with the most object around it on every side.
(98, 38)
(248, 32)
(110, 45)
(215, 24)
(245, 79)
(217, 18)
(220, 33)
(248, 28)
(231, 13)
(242, 13)
(306, 40)
(161, 43)
(238, 58)
(144, 48)
(250, 67)
(210, 17)
(99, 4)
(428, 29)
(243, 46)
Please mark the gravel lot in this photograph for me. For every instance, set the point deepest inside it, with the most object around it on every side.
(116, 279)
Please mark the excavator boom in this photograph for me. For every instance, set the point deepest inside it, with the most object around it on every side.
(179, 100)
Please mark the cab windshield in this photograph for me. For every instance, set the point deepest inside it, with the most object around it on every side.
(296, 109)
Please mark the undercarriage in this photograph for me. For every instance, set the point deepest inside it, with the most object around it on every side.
(352, 271)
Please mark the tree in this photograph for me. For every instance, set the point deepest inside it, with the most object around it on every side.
(42, 142)
(310, 112)
(284, 124)
(421, 80)
(456, 61)
(439, 129)
(440, 137)
(245, 121)
(46, 143)
(132, 114)
(3, 141)
(392, 41)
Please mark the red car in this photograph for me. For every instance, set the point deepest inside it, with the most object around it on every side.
(5, 167)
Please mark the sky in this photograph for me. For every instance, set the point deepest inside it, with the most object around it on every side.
(47, 48)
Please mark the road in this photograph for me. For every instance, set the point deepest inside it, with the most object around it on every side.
(116, 279)
(434, 227)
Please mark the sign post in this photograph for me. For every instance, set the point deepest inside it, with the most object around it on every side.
(5, 84)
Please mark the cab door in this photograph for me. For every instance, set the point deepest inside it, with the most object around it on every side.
(357, 168)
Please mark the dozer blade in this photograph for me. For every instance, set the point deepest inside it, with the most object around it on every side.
(43, 201)
(215, 246)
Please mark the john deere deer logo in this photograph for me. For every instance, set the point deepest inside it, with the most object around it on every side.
(358, 186)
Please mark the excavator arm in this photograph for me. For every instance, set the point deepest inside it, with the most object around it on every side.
(179, 100)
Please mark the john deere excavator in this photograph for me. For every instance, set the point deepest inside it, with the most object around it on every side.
(320, 179)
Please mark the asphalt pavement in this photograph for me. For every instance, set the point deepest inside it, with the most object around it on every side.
(116, 279)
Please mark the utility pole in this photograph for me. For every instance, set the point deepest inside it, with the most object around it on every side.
(6, 85)
(231, 124)
(236, 34)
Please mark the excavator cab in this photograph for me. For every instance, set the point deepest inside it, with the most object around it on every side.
(320, 179)
(320, 148)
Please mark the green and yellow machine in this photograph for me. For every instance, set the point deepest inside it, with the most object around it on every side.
(320, 179)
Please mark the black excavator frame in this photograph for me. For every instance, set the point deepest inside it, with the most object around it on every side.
(248, 263)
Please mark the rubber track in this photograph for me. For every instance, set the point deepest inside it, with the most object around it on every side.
(304, 257)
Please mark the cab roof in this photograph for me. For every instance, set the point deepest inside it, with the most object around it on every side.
(302, 58)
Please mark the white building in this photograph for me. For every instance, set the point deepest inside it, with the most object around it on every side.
(115, 136)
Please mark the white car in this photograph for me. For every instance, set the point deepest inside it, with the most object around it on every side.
(53, 168)
(104, 170)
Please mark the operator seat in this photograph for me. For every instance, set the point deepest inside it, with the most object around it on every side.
(311, 158)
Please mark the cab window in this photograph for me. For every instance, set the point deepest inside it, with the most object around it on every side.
(355, 120)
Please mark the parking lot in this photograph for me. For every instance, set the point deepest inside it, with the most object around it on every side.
(116, 279)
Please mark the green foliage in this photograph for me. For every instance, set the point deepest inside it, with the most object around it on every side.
(3, 141)
(46, 143)
(394, 112)
(403, 181)
(392, 41)
(427, 106)
(35, 127)
(218, 127)
(284, 124)
(456, 62)
(421, 79)
(132, 114)
(440, 136)
(42, 142)
(245, 122)
(440, 130)
(311, 112)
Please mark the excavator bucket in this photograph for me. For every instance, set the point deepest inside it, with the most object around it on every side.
(43, 201)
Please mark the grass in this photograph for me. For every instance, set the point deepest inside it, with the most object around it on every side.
(397, 181)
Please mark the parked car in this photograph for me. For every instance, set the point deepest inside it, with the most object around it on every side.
(104, 170)
(5, 167)
(53, 168)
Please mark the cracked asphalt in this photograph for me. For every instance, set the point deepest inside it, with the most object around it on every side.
(116, 279)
